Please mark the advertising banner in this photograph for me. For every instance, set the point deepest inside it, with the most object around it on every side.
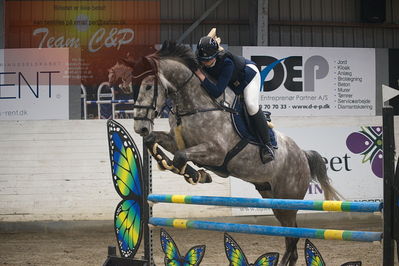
(105, 31)
(353, 156)
(34, 83)
(310, 81)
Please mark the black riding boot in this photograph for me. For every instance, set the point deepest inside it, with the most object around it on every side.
(259, 122)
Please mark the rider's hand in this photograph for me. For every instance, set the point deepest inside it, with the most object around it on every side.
(200, 75)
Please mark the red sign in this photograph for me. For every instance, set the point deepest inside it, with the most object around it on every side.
(104, 30)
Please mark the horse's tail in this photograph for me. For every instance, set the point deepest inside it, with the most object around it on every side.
(318, 172)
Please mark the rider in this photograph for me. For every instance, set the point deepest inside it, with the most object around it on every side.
(242, 76)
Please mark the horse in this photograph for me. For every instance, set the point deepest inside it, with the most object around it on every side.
(201, 131)
(121, 72)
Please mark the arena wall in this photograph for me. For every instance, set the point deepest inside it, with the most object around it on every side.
(59, 170)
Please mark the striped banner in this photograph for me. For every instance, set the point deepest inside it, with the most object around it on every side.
(287, 204)
(329, 234)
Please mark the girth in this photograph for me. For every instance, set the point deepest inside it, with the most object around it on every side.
(230, 155)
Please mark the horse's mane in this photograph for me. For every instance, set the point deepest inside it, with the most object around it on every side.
(179, 52)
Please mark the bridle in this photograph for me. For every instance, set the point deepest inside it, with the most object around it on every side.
(153, 106)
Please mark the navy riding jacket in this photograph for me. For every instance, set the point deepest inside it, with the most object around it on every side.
(222, 73)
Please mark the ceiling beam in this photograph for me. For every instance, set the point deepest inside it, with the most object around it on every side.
(198, 21)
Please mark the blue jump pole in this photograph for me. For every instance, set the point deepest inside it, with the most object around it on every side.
(318, 205)
(269, 230)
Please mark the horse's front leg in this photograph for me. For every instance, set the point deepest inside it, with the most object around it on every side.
(165, 140)
(202, 154)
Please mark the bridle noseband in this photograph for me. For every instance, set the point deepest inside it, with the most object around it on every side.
(143, 75)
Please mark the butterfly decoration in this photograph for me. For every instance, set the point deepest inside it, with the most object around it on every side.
(126, 169)
(368, 142)
(172, 255)
(312, 255)
(236, 256)
(314, 258)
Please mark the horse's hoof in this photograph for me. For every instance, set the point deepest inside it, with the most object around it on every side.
(190, 180)
(204, 177)
(191, 175)
(160, 166)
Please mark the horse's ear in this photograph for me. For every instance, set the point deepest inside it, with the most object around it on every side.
(165, 43)
(168, 45)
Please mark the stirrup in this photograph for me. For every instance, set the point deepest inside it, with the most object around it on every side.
(266, 154)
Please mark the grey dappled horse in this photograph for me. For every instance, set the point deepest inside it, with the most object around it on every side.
(202, 132)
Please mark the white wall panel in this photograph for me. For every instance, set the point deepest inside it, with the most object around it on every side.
(60, 170)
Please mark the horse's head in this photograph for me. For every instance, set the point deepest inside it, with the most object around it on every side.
(151, 94)
(170, 74)
(150, 101)
(121, 75)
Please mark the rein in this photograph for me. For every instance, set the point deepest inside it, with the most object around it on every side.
(220, 107)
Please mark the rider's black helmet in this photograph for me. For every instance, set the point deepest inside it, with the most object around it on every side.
(207, 48)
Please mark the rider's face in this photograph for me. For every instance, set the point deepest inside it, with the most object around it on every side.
(209, 63)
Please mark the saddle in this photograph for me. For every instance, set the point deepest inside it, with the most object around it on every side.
(240, 120)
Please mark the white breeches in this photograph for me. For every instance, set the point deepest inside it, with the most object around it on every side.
(251, 92)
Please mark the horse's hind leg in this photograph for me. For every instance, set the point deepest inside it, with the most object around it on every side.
(287, 218)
